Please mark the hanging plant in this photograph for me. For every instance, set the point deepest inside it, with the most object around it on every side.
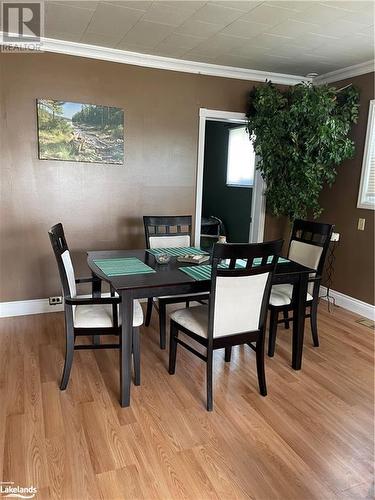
(300, 135)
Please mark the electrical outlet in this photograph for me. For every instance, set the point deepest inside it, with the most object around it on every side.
(53, 301)
(361, 224)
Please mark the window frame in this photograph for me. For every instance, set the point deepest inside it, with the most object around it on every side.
(242, 186)
(365, 171)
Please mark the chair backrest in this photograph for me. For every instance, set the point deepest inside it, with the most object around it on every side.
(309, 243)
(168, 231)
(240, 291)
(64, 261)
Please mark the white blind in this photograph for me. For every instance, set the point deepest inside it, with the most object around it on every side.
(370, 188)
(366, 197)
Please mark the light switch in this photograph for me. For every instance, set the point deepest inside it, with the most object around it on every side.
(361, 224)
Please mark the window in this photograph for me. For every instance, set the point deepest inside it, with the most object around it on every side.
(366, 198)
(241, 159)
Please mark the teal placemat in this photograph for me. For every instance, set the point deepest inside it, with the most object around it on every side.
(123, 266)
(203, 272)
(176, 251)
(198, 273)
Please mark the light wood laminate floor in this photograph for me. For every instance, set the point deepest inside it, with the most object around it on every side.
(310, 438)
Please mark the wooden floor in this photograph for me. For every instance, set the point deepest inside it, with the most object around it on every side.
(311, 437)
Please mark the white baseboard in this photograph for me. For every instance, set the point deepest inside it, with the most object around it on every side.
(24, 307)
(351, 304)
(36, 306)
(39, 306)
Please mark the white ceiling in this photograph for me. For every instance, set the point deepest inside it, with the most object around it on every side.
(295, 37)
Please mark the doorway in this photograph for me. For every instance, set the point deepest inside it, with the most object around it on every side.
(229, 188)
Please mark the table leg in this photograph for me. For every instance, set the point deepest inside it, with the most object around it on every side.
(126, 311)
(96, 292)
(299, 320)
(96, 286)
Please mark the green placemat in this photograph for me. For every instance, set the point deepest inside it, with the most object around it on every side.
(258, 261)
(123, 266)
(198, 273)
(203, 272)
(176, 251)
(282, 260)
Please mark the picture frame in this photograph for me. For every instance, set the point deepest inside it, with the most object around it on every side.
(80, 132)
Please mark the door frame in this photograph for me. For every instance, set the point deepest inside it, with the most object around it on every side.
(258, 200)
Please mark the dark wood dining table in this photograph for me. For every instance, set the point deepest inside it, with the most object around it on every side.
(169, 280)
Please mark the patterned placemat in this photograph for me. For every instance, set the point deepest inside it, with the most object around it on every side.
(198, 273)
(123, 266)
(176, 251)
(203, 272)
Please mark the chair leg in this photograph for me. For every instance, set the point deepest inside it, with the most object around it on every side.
(187, 303)
(162, 323)
(260, 365)
(136, 357)
(68, 358)
(114, 310)
(96, 292)
(274, 316)
(314, 323)
(150, 301)
(172, 348)
(209, 367)
(286, 318)
(228, 353)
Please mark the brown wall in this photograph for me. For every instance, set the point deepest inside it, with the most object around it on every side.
(100, 205)
(354, 265)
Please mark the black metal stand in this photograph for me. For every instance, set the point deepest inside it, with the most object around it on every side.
(329, 275)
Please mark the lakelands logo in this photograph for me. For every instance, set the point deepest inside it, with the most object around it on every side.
(22, 26)
(8, 490)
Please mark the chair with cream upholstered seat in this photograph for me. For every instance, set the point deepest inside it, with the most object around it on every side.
(166, 232)
(237, 309)
(89, 315)
(308, 246)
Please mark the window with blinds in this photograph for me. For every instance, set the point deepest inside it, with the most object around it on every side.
(366, 198)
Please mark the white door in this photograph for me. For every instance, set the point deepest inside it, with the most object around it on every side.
(256, 232)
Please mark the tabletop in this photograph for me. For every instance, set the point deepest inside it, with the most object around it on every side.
(168, 276)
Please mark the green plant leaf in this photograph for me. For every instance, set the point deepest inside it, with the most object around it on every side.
(300, 135)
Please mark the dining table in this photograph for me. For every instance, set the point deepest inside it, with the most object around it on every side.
(168, 279)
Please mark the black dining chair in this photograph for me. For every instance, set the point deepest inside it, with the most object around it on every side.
(166, 232)
(308, 246)
(87, 315)
(237, 309)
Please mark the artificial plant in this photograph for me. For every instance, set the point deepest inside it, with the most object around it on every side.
(300, 135)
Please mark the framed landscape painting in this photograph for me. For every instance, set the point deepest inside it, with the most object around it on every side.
(72, 131)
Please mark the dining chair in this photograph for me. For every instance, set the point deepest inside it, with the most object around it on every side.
(166, 232)
(87, 315)
(308, 246)
(237, 309)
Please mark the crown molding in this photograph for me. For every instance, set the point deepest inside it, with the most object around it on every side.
(344, 73)
(166, 63)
